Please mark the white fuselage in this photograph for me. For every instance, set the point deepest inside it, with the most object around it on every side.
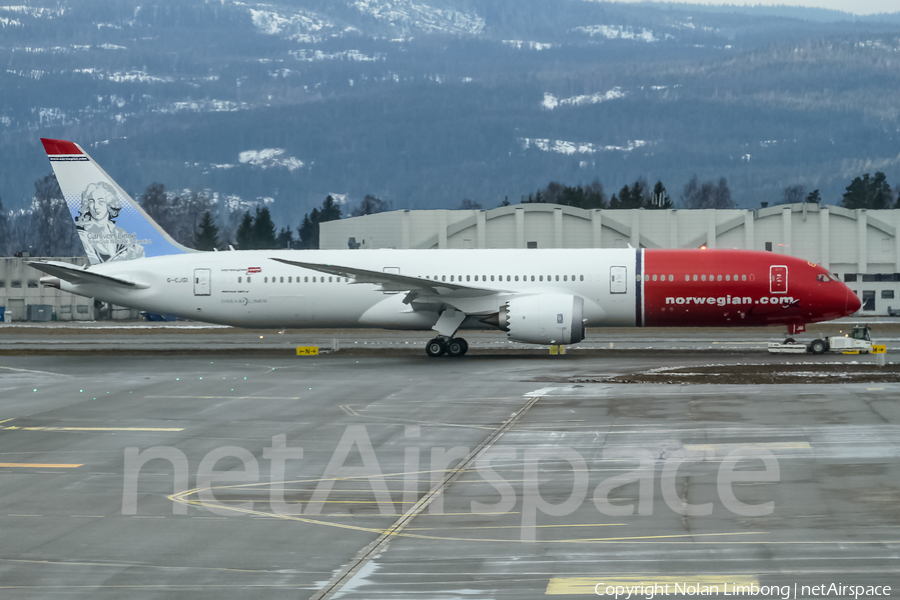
(249, 289)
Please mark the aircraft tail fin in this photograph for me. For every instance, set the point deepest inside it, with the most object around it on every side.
(110, 224)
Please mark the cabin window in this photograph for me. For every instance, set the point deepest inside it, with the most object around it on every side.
(718, 278)
(532, 277)
(581, 278)
(671, 278)
(306, 280)
(695, 278)
(752, 277)
(248, 279)
(728, 278)
(703, 278)
(646, 277)
(443, 278)
(265, 280)
(541, 278)
(314, 279)
(557, 277)
(281, 280)
(654, 278)
(239, 279)
(492, 277)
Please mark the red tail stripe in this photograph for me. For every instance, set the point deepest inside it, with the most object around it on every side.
(59, 147)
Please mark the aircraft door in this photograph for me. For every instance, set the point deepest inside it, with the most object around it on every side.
(778, 279)
(201, 282)
(617, 280)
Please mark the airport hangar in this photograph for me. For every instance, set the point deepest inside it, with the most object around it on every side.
(860, 246)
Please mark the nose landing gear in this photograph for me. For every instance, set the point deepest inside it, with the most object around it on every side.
(449, 346)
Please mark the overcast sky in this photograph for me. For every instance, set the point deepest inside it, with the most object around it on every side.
(859, 7)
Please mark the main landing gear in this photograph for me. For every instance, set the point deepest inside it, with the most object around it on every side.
(449, 346)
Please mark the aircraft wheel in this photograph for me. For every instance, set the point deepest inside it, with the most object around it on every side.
(457, 347)
(435, 347)
(818, 347)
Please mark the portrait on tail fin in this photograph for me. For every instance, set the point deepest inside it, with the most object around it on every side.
(103, 240)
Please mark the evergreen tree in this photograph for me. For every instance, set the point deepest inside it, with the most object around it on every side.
(505, 201)
(285, 238)
(264, 236)
(331, 210)
(869, 192)
(244, 238)
(660, 199)
(880, 192)
(308, 232)
(207, 235)
(814, 197)
(630, 197)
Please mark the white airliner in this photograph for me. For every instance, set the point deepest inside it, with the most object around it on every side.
(538, 296)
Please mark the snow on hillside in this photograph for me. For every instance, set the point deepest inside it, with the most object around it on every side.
(302, 26)
(617, 32)
(349, 55)
(409, 15)
(550, 101)
(569, 148)
(268, 158)
(519, 44)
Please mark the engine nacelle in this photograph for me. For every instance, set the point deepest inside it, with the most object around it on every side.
(544, 319)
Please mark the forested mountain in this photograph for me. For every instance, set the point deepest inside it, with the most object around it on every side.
(424, 103)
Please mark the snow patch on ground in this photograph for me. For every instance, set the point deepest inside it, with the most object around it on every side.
(269, 158)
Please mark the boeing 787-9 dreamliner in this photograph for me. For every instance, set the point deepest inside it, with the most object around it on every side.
(537, 296)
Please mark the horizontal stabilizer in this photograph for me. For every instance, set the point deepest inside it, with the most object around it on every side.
(395, 281)
(79, 275)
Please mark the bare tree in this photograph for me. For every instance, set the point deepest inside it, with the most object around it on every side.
(707, 195)
(793, 194)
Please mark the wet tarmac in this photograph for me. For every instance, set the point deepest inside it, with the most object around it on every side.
(177, 472)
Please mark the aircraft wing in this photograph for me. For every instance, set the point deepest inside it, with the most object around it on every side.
(396, 282)
(79, 275)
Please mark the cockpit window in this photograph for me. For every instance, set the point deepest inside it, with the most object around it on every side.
(826, 277)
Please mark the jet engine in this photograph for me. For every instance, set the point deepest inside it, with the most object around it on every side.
(542, 319)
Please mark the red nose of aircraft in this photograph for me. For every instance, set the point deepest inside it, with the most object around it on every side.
(853, 304)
